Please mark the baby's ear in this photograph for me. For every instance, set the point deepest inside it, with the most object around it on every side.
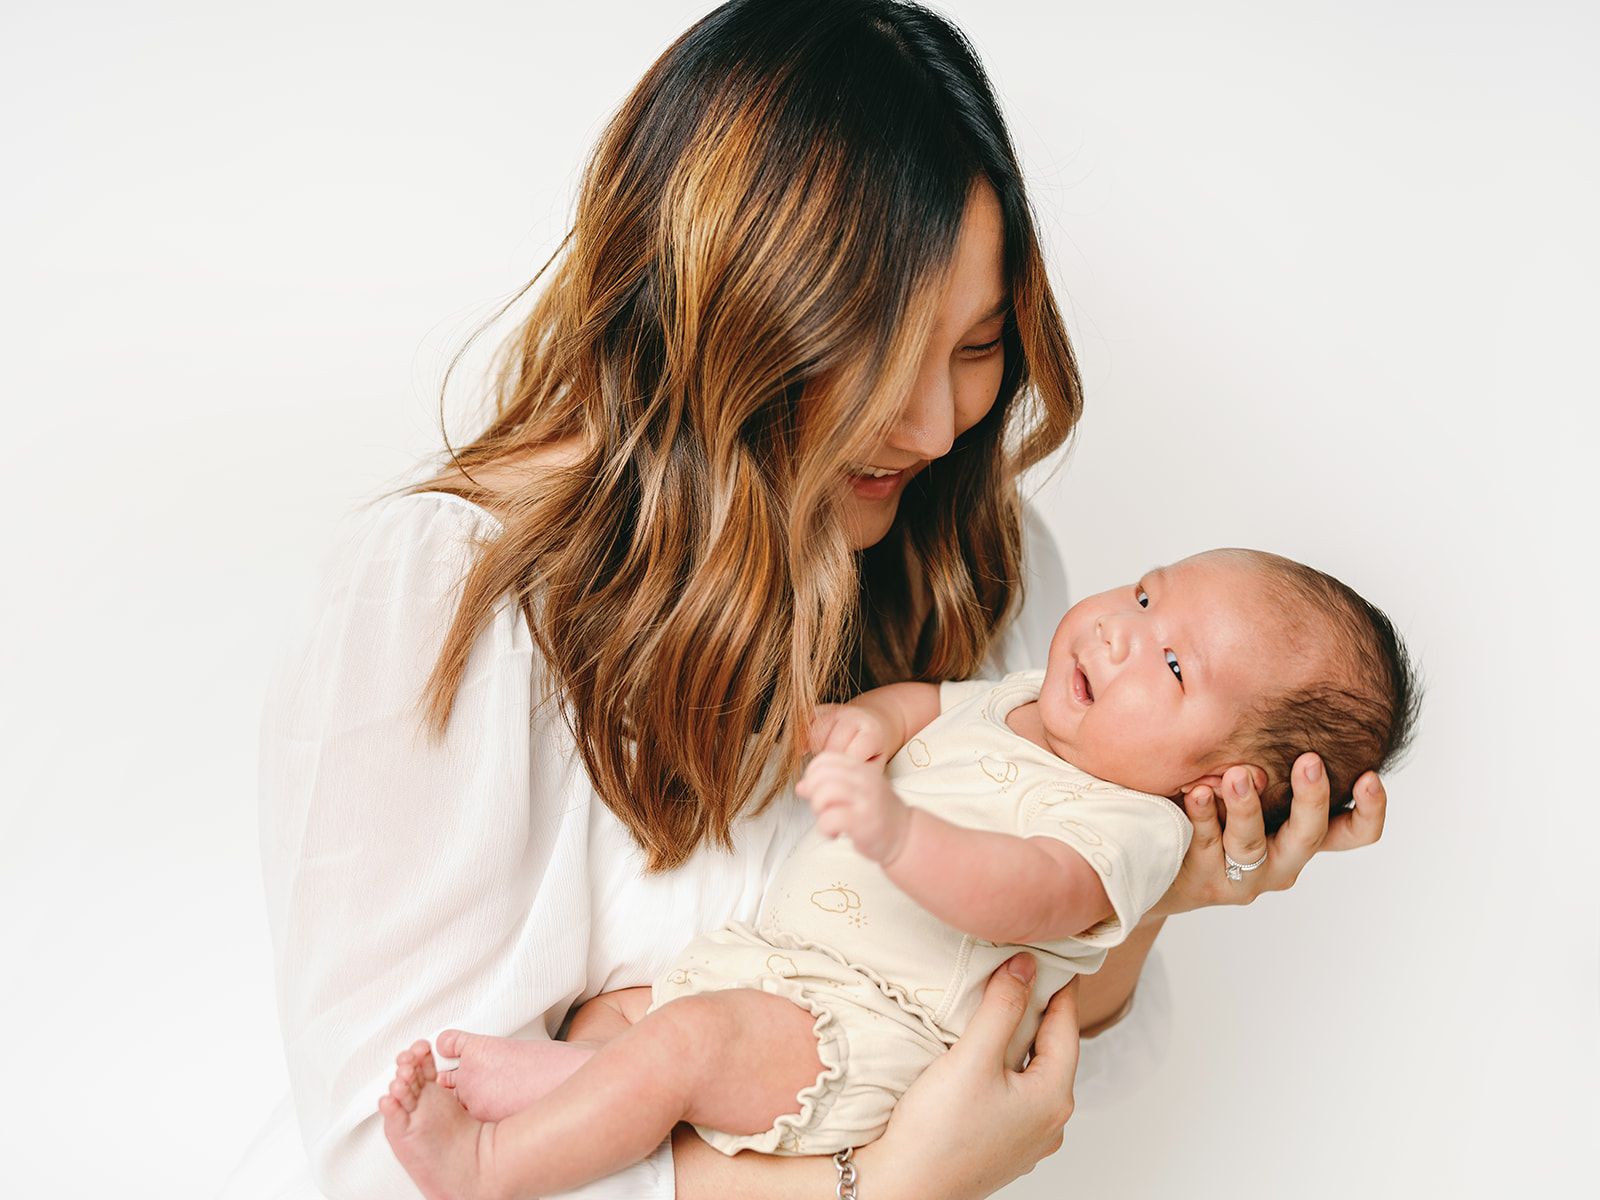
(1214, 782)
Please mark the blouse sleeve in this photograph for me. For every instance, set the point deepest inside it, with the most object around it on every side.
(415, 881)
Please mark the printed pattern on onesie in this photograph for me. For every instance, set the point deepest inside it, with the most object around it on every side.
(970, 768)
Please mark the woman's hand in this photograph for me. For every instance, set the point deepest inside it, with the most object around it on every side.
(1203, 879)
(968, 1126)
(972, 1122)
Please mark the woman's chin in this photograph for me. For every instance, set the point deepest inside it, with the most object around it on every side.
(866, 523)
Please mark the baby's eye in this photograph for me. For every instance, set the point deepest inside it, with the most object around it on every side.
(1141, 597)
(1172, 661)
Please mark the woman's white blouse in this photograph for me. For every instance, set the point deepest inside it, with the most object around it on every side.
(416, 883)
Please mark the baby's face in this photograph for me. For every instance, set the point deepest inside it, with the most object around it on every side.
(1146, 683)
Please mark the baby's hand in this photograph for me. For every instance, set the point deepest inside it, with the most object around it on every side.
(848, 729)
(853, 798)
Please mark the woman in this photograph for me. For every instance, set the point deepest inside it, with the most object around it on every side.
(756, 448)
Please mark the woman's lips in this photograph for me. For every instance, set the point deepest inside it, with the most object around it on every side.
(874, 483)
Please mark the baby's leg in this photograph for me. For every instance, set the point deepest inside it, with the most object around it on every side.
(607, 1015)
(734, 1060)
(499, 1076)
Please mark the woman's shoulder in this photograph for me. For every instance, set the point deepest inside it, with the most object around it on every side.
(366, 638)
(419, 514)
(436, 529)
(411, 536)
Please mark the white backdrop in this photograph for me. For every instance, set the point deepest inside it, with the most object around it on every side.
(1332, 270)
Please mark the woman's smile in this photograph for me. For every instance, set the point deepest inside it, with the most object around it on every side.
(871, 484)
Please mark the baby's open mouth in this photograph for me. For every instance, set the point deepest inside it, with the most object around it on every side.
(1080, 686)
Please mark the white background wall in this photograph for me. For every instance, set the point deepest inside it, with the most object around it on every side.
(1332, 270)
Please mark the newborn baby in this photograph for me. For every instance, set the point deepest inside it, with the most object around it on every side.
(1036, 812)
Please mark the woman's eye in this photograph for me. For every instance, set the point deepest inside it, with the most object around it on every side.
(1141, 597)
(982, 350)
(1172, 661)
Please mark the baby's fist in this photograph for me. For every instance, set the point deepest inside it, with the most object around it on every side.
(853, 798)
(848, 729)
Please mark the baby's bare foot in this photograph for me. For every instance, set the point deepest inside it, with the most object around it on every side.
(435, 1139)
(500, 1076)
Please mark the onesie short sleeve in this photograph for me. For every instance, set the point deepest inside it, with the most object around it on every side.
(1135, 842)
(959, 691)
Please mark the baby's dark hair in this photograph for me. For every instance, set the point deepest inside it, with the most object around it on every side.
(1360, 717)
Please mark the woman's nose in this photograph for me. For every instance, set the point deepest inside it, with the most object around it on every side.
(926, 425)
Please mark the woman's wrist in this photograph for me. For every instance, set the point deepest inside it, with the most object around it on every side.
(707, 1174)
(885, 1172)
(846, 1188)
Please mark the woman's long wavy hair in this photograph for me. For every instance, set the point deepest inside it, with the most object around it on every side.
(762, 237)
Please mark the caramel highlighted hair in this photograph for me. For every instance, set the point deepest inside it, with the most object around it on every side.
(762, 235)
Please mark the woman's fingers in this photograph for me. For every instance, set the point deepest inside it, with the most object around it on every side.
(1306, 830)
(1200, 805)
(1363, 824)
(992, 1038)
(1205, 878)
(1055, 1046)
(1245, 838)
(1005, 999)
(1200, 873)
(989, 1123)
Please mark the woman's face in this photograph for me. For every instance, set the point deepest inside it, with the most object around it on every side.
(957, 380)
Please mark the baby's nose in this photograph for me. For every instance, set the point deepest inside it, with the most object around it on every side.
(1114, 632)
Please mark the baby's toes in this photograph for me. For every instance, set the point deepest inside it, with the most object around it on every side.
(396, 1118)
(411, 1054)
(426, 1067)
(405, 1092)
(447, 1079)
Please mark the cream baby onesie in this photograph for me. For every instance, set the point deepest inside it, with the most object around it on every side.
(891, 985)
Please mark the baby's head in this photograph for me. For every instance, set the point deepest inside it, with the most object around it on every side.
(1230, 657)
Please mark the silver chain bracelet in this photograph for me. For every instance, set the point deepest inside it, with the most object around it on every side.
(847, 1174)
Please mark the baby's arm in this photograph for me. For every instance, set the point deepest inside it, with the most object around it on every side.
(991, 885)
